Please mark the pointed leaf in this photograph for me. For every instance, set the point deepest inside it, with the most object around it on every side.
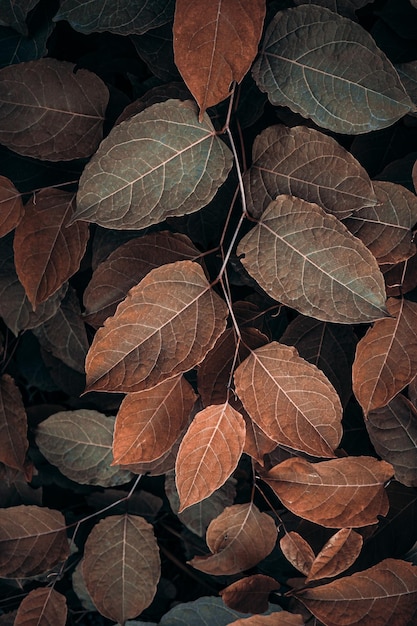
(250, 594)
(336, 494)
(306, 163)
(239, 538)
(386, 357)
(165, 326)
(383, 594)
(278, 618)
(209, 453)
(338, 554)
(149, 422)
(291, 400)
(185, 164)
(317, 63)
(387, 228)
(42, 607)
(11, 206)
(121, 566)
(47, 251)
(13, 425)
(333, 276)
(79, 443)
(48, 111)
(33, 539)
(212, 48)
(297, 551)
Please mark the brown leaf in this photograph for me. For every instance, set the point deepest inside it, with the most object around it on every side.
(239, 538)
(297, 551)
(257, 443)
(47, 251)
(11, 206)
(48, 111)
(400, 278)
(13, 425)
(340, 493)
(209, 453)
(250, 594)
(33, 539)
(212, 49)
(121, 566)
(306, 163)
(386, 357)
(127, 265)
(337, 555)
(386, 229)
(42, 607)
(278, 618)
(165, 326)
(150, 421)
(393, 433)
(291, 400)
(385, 594)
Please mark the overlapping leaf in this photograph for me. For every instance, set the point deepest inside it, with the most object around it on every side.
(250, 594)
(408, 74)
(317, 63)
(33, 539)
(291, 400)
(209, 452)
(337, 555)
(11, 206)
(212, 48)
(13, 425)
(13, 14)
(150, 421)
(340, 493)
(333, 277)
(42, 607)
(159, 163)
(48, 111)
(297, 551)
(386, 357)
(257, 443)
(121, 566)
(79, 443)
(387, 228)
(401, 278)
(165, 326)
(238, 538)
(278, 618)
(343, 7)
(383, 594)
(47, 251)
(306, 163)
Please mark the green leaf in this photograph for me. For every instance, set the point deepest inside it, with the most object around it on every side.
(329, 69)
(201, 612)
(13, 13)
(159, 163)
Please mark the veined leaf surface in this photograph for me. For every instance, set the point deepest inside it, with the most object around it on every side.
(42, 607)
(11, 206)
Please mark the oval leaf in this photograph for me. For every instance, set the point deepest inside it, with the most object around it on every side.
(79, 443)
(48, 111)
(339, 553)
(164, 327)
(209, 453)
(250, 594)
(185, 165)
(333, 277)
(291, 400)
(121, 566)
(11, 206)
(297, 551)
(13, 425)
(306, 163)
(336, 494)
(42, 607)
(239, 538)
(317, 63)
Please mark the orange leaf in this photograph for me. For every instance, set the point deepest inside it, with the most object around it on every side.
(13, 425)
(209, 453)
(278, 618)
(257, 443)
(11, 206)
(336, 494)
(214, 44)
(250, 594)
(239, 538)
(297, 551)
(165, 326)
(149, 422)
(339, 553)
(42, 607)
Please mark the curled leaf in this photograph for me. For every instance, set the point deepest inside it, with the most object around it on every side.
(249, 594)
(337, 555)
(297, 551)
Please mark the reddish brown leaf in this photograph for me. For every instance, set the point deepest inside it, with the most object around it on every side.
(297, 551)
(238, 538)
(257, 443)
(400, 278)
(165, 326)
(212, 49)
(149, 422)
(11, 206)
(47, 251)
(393, 432)
(385, 594)
(291, 400)
(33, 539)
(42, 607)
(340, 493)
(48, 111)
(278, 618)
(209, 453)
(339, 553)
(250, 594)
(13, 425)
(386, 357)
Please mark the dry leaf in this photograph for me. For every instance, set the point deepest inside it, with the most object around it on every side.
(337, 555)
(250, 594)
(11, 206)
(42, 607)
(13, 425)
(297, 551)
(278, 618)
